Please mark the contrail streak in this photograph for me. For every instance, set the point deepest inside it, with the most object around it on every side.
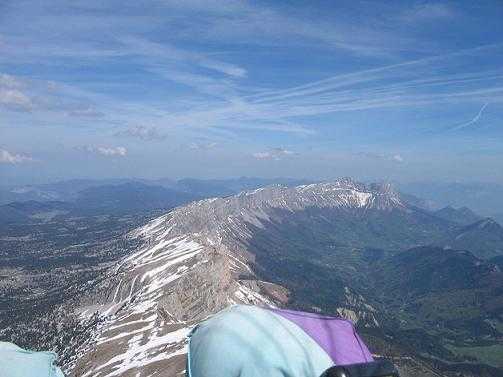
(472, 121)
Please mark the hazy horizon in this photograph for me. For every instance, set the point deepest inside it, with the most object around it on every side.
(376, 179)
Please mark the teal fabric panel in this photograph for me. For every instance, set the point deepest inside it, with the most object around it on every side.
(17, 362)
(247, 341)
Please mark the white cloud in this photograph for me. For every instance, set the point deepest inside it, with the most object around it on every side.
(105, 151)
(395, 157)
(15, 99)
(226, 68)
(262, 155)
(12, 94)
(8, 81)
(112, 151)
(27, 94)
(146, 133)
(273, 154)
(86, 112)
(203, 146)
(7, 157)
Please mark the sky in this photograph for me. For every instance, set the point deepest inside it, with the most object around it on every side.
(390, 90)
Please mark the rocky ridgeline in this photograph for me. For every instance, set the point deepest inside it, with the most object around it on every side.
(193, 262)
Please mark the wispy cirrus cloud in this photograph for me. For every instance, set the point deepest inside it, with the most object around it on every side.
(227, 103)
(120, 36)
(7, 157)
(402, 85)
(254, 24)
(428, 11)
(409, 84)
(133, 45)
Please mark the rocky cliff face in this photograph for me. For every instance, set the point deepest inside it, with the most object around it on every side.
(193, 262)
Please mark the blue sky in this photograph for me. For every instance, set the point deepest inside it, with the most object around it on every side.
(398, 90)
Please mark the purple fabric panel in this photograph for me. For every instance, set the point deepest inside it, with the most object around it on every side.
(336, 336)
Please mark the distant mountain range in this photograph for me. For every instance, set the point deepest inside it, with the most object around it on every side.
(462, 215)
(30, 204)
(71, 190)
(483, 198)
(119, 199)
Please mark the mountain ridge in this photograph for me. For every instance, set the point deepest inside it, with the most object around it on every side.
(193, 262)
(201, 257)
